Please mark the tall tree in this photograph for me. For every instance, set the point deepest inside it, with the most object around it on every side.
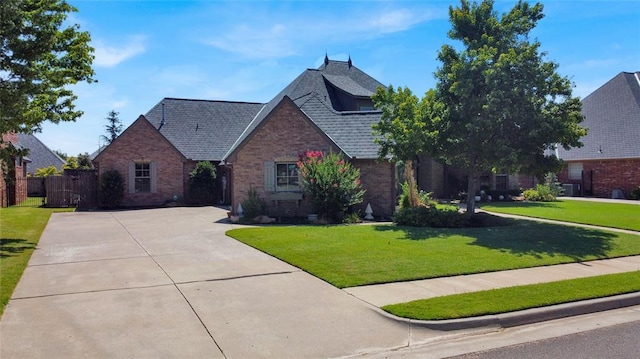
(113, 127)
(40, 56)
(501, 104)
(401, 131)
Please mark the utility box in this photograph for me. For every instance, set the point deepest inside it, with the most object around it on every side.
(571, 189)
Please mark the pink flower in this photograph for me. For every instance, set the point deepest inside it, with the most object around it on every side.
(335, 185)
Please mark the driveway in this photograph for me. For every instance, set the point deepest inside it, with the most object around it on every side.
(166, 283)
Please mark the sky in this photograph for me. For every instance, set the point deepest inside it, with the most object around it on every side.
(250, 50)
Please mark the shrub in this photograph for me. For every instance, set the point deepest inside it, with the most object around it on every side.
(635, 193)
(47, 171)
(331, 184)
(542, 193)
(441, 216)
(352, 218)
(111, 189)
(253, 206)
(202, 183)
(555, 187)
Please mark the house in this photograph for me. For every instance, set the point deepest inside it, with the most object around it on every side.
(256, 146)
(12, 189)
(610, 158)
(40, 155)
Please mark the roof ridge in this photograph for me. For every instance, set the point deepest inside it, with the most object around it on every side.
(216, 101)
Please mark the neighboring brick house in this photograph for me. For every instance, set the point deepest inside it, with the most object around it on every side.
(40, 155)
(610, 157)
(12, 189)
(256, 145)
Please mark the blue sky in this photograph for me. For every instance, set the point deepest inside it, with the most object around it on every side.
(249, 50)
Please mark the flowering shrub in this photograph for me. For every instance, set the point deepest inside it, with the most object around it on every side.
(331, 184)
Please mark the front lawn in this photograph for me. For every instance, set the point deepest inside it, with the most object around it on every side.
(347, 256)
(20, 230)
(614, 215)
(511, 299)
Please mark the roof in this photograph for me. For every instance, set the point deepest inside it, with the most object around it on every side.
(315, 92)
(612, 116)
(39, 154)
(201, 129)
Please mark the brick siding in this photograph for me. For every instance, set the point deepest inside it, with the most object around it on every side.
(287, 133)
(608, 175)
(142, 142)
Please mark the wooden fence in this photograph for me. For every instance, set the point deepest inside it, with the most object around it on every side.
(73, 189)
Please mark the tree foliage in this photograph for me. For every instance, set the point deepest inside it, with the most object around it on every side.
(400, 131)
(498, 104)
(202, 183)
(47, 171)
(113, 127)
(40, 56)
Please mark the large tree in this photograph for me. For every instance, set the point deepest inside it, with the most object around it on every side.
(40, 56)
(500, 104)
(401, 131)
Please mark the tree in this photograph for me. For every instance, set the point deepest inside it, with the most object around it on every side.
(401, 131)
(81, 162)
(40, 56)
(498, 105)
(202, 182)
(113, 127)
(47, 171)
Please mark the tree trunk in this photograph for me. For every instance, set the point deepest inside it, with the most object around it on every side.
(414, 200)
(471, 194)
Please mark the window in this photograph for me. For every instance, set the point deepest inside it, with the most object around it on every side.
(287, 178)
(143, 177)
(575, 171)
(501, 182)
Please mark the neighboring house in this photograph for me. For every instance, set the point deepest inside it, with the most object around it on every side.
(610, 158)
(12, 189)
(39, 154)
(256, 145)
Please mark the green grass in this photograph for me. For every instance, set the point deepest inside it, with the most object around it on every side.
(20, 230)
(347, 256)
(517, 298)
(614, 215)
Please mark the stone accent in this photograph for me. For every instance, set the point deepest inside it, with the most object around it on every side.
(608, 175)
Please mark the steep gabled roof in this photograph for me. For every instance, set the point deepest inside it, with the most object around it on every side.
(612, 116)
(200, 129)
(314, 92)
(39, 154)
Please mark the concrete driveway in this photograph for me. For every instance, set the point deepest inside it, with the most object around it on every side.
(165, 283)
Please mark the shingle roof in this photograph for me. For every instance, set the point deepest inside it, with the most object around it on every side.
(200, 129)
(39, 154)
(612, 116)
(352, 132)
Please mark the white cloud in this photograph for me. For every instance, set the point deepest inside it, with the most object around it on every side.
(110, 56)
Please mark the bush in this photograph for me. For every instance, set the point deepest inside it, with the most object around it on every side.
(635, 193)
(331, 184)
(542, 193)
(111, 189)
(440, 216)
(47, 171)
(253, 206)
(202, 183)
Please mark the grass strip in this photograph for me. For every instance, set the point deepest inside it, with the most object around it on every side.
(614, 215)
(20, 231)
(511, 299)
(348, 256)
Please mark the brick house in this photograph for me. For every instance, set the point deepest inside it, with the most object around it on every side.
(12, 190)
(610, 157)
(256, 145)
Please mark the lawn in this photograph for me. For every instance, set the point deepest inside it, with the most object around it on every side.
(347, 256)
(20, 230)
(511, 299)
(614, 215)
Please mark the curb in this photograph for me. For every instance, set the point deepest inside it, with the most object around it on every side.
(527, 316)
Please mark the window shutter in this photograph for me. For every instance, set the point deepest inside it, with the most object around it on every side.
(132, 177)
(153, 168)
(269, 176)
